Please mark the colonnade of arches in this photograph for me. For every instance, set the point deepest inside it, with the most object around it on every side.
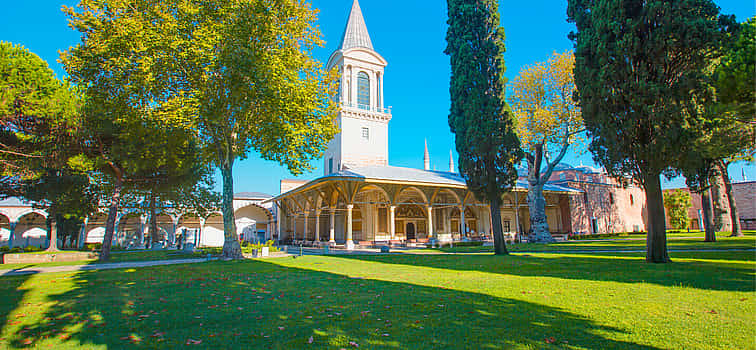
(25, 227)
(345, 212)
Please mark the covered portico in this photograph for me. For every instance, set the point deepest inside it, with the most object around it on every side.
(399, 205)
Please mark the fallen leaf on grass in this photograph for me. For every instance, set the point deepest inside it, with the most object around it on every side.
(310, 340)
(550, 340)
(193, 342)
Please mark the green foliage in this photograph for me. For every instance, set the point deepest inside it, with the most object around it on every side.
(677, 203)
(572, 237)
(464, 244)
(641, 87)
(644, 89)
(249, 247)
(37, 118)
(736, 72)
(237, 73)
(483, 125)
(93, 246)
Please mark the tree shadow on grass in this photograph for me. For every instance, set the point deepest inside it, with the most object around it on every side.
(12, 296)
(262, 305)
(616, 267)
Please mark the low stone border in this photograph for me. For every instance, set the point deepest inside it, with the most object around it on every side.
(32, 258)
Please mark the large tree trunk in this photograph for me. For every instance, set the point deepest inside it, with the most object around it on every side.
(734, 215)
(539, 224)
(500, 247)
(710, 232)
(231, 247)
(720, 207)
(656, 241)
(107, 240)
(154, 237)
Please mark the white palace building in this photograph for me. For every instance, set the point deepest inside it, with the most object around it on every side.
(363, 200)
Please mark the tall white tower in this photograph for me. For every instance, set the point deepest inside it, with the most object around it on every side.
(363, 120)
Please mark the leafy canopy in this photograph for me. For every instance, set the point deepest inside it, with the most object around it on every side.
(480, 118)
(677, 203)
(542, 100)
(641, 72)
(37, 117)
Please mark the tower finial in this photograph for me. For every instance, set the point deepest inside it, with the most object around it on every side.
(426, 156)
(451, 162)
(356, 33)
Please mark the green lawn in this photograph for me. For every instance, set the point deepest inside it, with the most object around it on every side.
(691, 241)
(705, 300)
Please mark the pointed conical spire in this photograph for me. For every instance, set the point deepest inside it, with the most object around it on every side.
(451, 162)
(426, 157)
(356, 33)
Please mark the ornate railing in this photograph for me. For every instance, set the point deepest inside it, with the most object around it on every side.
(366, 107)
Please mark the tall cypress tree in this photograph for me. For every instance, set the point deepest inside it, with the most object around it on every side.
(488, 146)
(640, 70)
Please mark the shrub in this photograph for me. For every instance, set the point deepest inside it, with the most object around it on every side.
(600, 235)
(249, 247)
(678, 203)
(32, 249)
(5, 250)
(463, 244)
(93, 246)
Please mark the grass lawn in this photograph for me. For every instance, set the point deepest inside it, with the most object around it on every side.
(688, 241)
(705, 300)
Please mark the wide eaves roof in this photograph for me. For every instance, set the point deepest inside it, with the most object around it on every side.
(412, 176)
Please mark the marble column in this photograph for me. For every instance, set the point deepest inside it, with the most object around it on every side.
(12, 234)
(332, 228)
(317, 225)
(462, 223)
(142, 228)
(304, 233)
(517, 216)
(198, 237)
(349, 240)
(431, 235)
(293, 228)
(392, 221)
(83, 233)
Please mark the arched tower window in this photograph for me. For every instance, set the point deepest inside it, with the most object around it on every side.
(363, 90)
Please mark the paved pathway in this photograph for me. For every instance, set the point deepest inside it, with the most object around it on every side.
(122, 265)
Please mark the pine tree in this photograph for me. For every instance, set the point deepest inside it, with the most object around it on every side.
(640, 73)
(484, 127)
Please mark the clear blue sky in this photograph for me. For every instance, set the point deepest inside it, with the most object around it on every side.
(409, 34)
